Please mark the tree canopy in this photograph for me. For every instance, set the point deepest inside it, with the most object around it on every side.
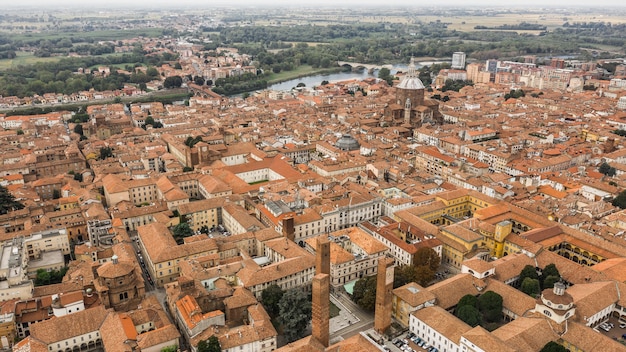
(553, 347)
(468, 300)
(528, 271)
(173, 82)
(212, 344)
(106, 152)
(364, 293)
(470, 315)
(549, 276)
(490, 306)
(620, 200)
(427, 256)
(607, 169)
(270, 297)
(8, 202)
(181, 231)
(295, 313)
(530, 287)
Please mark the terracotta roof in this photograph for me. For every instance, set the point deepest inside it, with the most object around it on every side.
(65, 327)
(486, 341)
(443, 322)
(413, 294)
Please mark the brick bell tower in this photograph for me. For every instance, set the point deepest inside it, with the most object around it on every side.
(384, 286)
(320, 307)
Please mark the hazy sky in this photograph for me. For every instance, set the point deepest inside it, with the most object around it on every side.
(210, 3)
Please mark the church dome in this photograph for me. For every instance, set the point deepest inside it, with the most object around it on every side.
(411, 79)
(347, 142)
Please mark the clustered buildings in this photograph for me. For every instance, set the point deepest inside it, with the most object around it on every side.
(357, 173)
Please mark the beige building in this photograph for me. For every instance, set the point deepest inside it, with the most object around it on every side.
(162, 255)
(353, 254)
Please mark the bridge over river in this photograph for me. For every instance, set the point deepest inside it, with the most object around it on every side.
(355, 66)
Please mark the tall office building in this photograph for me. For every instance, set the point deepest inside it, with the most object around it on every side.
(458, 60)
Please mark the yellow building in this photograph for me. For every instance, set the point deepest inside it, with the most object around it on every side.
(407, 299)
(7, 324)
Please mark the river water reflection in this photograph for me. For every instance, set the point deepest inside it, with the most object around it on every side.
(316, 80)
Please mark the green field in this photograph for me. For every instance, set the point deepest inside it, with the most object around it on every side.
(24, 58)
(95, 35)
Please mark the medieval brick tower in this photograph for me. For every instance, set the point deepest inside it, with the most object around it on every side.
(384, 285)
(320, 307)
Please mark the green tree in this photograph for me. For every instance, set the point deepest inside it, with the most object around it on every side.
(607, 169)
(549, 276)
(149, 121)
(490, 306)
(78, 129)
(550, 270)
(106, 152)
(199, 80)
(295, 313)
(528, 271)
(173, 82)
(553, 347)
(214, 344)
(43, 277)
(385, 75)
(530, 287)
(620, 200)
(426, 256)
(56, 194)
(364, 293)
(152, 72)
(549, 281)
(271, 297)
(424, 275)
(469, 314)
(181, 231)
(8, 202)
(403, 274)
(172, 348)
(468, 300)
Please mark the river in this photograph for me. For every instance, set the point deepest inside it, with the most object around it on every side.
(316, 80)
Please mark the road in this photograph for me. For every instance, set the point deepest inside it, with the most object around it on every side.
(366, 319)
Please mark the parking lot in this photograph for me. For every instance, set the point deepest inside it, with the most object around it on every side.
(409, 342)
(613, 328)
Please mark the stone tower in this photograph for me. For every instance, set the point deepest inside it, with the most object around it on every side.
(322, 257)
(320, 307)
(384, 286)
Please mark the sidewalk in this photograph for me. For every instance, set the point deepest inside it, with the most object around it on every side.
(344, 319)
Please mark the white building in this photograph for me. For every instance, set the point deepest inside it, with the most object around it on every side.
(458, 60)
